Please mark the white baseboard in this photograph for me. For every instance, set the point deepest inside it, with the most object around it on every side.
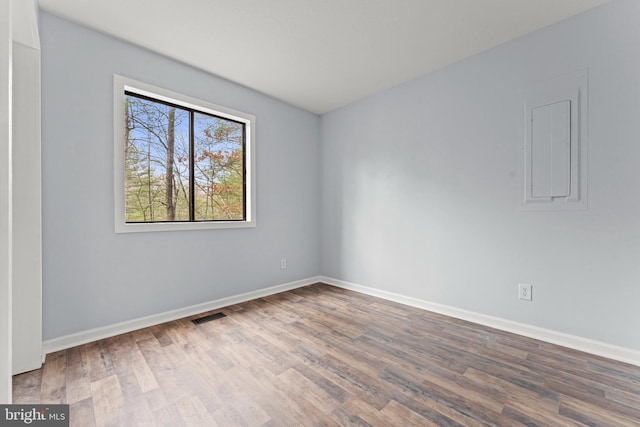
(83, 337)
(571, 341)
(566, 340)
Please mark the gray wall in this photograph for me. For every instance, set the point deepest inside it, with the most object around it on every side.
(420, 186)
(93, 277)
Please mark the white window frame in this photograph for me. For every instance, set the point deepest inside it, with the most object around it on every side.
(122, 84)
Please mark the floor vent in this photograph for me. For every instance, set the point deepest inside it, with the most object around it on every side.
(209, 318)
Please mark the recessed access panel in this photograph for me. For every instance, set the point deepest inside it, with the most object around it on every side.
(553, 167)
(550, 148)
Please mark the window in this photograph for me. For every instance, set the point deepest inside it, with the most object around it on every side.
(180, 163)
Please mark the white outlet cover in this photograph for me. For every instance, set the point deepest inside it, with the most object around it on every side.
(524, 291)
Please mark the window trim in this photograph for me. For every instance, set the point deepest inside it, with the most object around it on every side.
(122, 84)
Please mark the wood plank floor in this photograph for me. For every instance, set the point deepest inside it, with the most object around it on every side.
(321, 355)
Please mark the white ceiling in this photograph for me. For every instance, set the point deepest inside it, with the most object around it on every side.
(318, 55)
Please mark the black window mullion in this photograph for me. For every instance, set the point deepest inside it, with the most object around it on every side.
(244, 172)
(192, 161)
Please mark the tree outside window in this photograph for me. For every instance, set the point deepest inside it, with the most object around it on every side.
(181, 165)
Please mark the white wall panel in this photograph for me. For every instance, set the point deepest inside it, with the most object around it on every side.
(5, 202)
(27, 211)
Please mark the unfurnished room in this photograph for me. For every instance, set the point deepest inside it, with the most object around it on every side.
(303, 212)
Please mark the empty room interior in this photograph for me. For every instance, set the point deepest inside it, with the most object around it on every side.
(342, 212)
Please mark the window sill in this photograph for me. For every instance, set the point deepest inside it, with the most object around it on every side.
(181, 226)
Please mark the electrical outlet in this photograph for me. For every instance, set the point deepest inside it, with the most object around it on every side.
(524, 291)
(283, 264)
